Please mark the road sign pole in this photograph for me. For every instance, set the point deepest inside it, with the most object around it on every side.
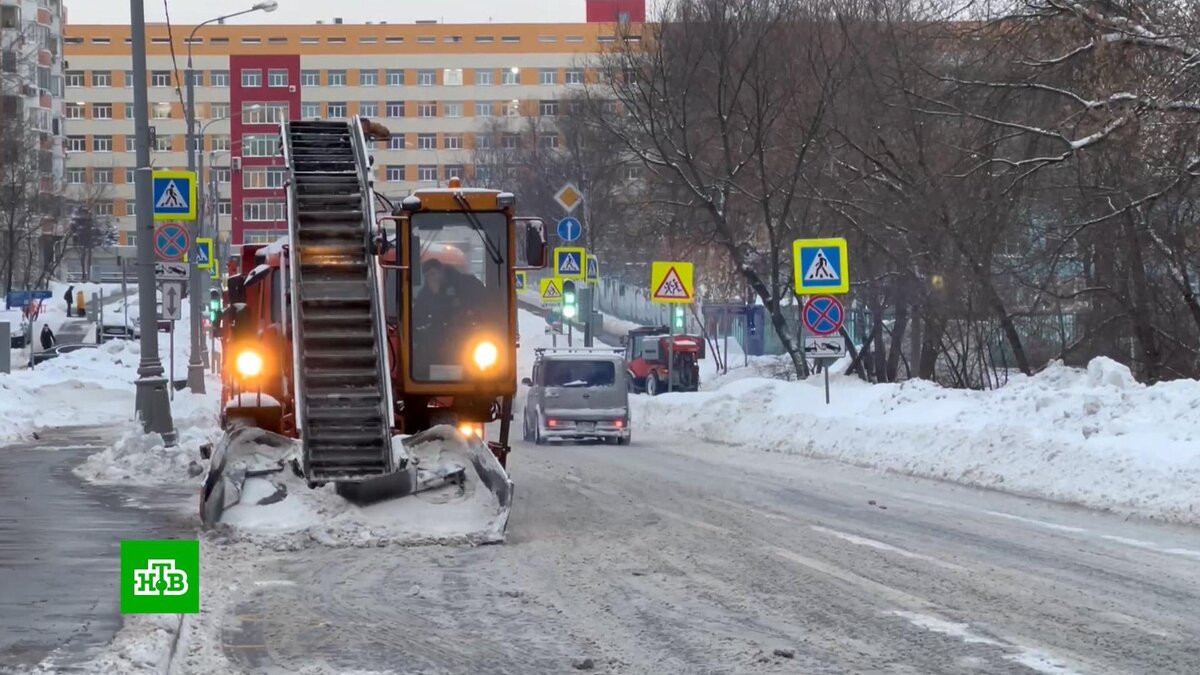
(825, 367)
(195, 376)
(171, 360)
(152, 404)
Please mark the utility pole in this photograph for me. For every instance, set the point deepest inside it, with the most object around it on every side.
(195, 377)
(153, 406)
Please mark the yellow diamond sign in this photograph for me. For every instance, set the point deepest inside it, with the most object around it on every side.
(569, 197)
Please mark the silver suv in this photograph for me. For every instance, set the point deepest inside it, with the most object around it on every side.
(576, 394)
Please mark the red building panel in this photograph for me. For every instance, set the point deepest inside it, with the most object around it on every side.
(616, 11)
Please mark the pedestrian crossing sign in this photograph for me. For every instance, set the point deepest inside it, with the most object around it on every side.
(175, 195)
(821, 266)
(551, 291)
(672, 283)
(520, 281)
(593, 269)
(569, 263)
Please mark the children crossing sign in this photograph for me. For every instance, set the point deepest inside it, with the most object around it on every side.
(174, 195)
(551, 291)
(671, 283)
(569, 263)
(821, 266)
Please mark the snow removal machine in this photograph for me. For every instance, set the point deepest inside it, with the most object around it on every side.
(372, 347)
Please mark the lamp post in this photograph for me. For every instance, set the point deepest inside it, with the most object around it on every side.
(152, 404)
(195, 365)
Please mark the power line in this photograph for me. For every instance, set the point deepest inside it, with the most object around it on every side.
(175, 65)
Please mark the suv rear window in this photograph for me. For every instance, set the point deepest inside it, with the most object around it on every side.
(580, 374)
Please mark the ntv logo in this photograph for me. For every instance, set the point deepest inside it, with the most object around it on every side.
(160, 577)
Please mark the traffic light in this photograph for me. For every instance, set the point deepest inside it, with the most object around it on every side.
(680, 319)
(570, 309)
(214, 305)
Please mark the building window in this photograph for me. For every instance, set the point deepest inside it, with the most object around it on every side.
(76, 176)
(548, 76)
(130, 143)
(510, 39)
(130, 176)
(277, 77)
(452, 142)
(101, 78)
(396, 142)
(426, 78)
(220, 143)
(395, 109)
(484, 142)
(426, 110)
(453, 110)
(310, 40)
(484, 109)
(547, 108)
(128, 79)
(395, 78)
(263, 178)
(548, 141)
(251, 78)
(512, 108)
(162, 111)
(74, 78)
(254, 145)
(252, 41)
(102, 111)
(310, 111)
(265, 113)
(427, 141)
(395, 174)
(452, 77)
(224, 208)
(74, 111)
(484, 78)
(102, 176)
(575, 76)
(130, 207)
(162, 143)
(197, 78)
(511, 141)
(454, 171)
(128, 111)
(104, 208)
(426, 40)
(427, 173)
(368, 109)
(102, 144)
(310, 78)
(368, 78)
(336, 110)
(219, 78)
(160, 78)
(510, 76)
(218, 111)
(263, 210)
(337, 78)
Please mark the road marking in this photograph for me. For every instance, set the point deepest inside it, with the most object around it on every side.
(872, 543)
(758, 512)
(1151, 546)
(691, 521)
(1039, 523)
(274, 582)
(1033, 659)
(884, 591)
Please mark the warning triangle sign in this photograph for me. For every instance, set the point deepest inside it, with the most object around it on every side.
(569, 265)
(552, 291)
(171, 198)
(820, 269)
(672, 287)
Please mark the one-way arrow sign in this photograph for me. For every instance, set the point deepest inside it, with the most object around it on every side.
(172, 300)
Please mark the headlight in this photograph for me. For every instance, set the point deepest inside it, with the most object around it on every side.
(485, 355)
(469, 429)
(249, 364)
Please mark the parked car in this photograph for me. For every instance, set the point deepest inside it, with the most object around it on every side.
(58, 350)
(577, 393)
(16, 327)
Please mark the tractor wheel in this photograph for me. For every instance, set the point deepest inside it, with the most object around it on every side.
(652, 384)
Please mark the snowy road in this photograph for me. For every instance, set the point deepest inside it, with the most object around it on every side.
(645, 560)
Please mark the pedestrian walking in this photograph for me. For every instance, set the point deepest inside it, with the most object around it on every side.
(69, 297)
(48, 338)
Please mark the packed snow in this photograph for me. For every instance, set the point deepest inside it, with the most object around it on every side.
(1090, 436)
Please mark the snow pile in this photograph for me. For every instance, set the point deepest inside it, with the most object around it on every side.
(1094, 437)
(142, 647)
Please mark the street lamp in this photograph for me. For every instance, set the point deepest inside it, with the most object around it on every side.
(195, 365)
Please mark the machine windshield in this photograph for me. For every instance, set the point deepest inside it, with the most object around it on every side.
(460, 295)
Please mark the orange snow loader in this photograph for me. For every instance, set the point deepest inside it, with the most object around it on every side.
(369, 330)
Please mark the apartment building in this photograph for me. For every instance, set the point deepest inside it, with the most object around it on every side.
(31, 70)
(439, 88)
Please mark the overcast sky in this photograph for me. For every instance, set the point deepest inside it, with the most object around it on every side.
(351, 11)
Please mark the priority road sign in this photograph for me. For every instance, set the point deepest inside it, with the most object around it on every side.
(672, 283)
(174, 195)
(593, 269)
(551, 291)
(204, 256)
(569, 263)
(171, 242)
(569, 229)
(520, 281)
(821, 266)
(824, 315)
(569, 197)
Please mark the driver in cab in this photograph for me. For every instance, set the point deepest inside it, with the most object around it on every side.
(448, 305)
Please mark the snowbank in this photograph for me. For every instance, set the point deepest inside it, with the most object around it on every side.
(1094, 437)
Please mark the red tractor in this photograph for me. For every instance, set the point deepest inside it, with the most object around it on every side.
(655, 358)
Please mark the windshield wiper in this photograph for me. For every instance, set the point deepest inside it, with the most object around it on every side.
(478, 227)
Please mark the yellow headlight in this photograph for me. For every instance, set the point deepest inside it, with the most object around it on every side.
(249, 364)
(486, 355)
(471, 429)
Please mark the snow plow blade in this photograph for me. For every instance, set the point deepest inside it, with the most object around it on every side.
(243, 452)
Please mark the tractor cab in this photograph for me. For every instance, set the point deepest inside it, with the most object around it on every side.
(658, 361)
